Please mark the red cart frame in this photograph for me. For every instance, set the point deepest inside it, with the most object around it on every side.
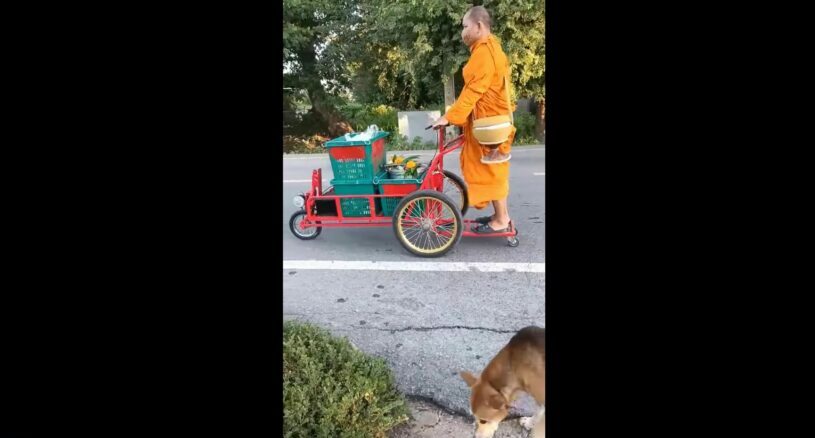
(433, 180)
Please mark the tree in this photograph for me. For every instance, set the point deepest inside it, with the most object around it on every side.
(413, 46)
(314, 33)
(520, 24)
(401, 52)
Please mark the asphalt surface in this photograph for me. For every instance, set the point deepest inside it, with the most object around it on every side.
(428, 421)
(428, 325)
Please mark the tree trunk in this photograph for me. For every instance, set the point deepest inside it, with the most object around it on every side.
(449, 100)
(337, 125)
(540, 126)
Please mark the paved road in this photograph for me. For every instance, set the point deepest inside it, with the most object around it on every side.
(431, 323)
(428, 421)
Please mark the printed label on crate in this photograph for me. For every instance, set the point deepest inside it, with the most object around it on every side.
(348, 153)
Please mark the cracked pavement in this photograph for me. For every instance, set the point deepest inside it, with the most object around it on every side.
(428, 326)
(428, 421)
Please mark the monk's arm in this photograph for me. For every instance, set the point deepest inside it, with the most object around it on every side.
(484, 69)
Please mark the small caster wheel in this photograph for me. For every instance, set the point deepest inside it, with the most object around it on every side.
(513, 242)
(303, 233)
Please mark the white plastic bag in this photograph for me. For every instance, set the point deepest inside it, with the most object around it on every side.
(362, 136)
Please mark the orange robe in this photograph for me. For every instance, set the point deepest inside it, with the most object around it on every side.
(483, 89)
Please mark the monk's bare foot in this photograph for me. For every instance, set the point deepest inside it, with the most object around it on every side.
(499, 225)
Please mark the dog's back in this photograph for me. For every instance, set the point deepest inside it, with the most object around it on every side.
(518, 367)
(527, 353)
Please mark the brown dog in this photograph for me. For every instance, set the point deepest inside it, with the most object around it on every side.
(519, 367)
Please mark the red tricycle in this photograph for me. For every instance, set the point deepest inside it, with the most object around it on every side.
(426, 213)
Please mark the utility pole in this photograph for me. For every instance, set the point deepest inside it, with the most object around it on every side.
(449, 100)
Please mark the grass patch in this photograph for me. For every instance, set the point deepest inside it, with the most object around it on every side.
(332, 390)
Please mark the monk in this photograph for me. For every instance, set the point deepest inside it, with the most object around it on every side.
(485, 169)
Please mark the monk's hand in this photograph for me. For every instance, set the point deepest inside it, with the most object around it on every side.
(440, 123)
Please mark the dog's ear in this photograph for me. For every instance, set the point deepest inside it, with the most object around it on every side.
(469, 378)
(497, 401)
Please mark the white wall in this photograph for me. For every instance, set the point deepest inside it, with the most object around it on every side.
(412, 124)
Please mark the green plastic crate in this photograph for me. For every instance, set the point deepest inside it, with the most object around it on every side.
(357, 159)
(398, 186)
(356, 207)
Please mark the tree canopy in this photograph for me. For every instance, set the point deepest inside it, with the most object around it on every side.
(400, 52)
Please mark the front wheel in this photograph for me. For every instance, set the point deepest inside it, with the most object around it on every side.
(427, 223)
(456, 189)
(296, 227)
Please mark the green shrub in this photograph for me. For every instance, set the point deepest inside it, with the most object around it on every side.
(332, 390)
(361, 116)
(525, 128)
(398, 142)
(314, 144)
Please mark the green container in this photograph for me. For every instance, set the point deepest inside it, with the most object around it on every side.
(357, 159)
(399, 186)
(356, 207)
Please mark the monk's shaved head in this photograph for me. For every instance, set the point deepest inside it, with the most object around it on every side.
(471, 30)
(479, 13)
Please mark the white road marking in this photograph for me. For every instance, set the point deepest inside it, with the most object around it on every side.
(364, 265)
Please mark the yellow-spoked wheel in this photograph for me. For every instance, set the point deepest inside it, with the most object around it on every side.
(427, 223)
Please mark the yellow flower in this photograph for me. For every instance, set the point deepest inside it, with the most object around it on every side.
(398, 160)
(410, 165)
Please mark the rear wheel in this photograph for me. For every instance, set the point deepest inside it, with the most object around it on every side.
(427, 223)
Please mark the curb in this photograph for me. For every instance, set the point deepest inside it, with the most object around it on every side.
(415, 152)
